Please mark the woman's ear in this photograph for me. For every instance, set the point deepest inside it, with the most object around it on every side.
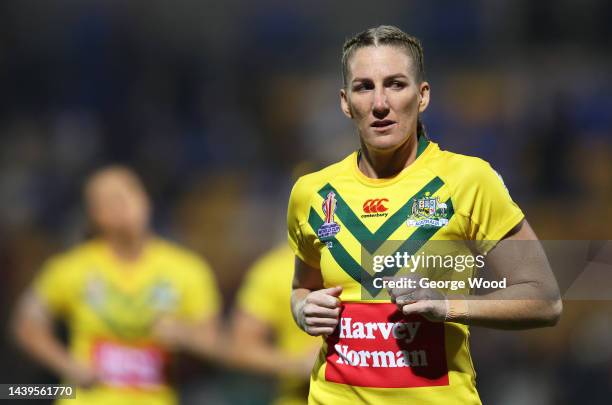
(344, 103)
(424, 96)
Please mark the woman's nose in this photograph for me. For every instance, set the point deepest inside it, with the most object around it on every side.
(380, 108)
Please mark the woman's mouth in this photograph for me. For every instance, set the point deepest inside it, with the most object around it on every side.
(382, 125)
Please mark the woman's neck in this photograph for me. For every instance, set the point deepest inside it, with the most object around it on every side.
(383, 164)
(127, 248)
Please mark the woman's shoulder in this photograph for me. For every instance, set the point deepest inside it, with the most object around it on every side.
(464, 172)
(456, 165)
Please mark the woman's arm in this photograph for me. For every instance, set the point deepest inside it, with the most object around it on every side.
(32, 328)
(531, 298)
(252, 348)
(315, 309)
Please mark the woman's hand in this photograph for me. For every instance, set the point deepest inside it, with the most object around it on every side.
(427, 302)
(319, 311)
(80, 374)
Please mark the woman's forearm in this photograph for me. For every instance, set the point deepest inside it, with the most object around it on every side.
(298, 296)
(519, 306)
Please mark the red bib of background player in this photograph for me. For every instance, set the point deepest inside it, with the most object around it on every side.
(376, 346)
(129, 366)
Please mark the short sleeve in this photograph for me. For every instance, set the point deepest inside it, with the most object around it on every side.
(201, 300)
(297, 221)
(492, 212)
(54, 285)
(259, 295)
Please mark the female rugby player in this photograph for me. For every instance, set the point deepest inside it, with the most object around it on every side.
(401, 186)
(130, 300)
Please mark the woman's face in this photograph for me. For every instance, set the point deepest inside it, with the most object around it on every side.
(118, 205)
(383, 97)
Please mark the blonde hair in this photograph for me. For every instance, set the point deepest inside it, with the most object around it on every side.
(384, 35)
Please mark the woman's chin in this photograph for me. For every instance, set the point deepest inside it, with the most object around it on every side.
(385, 143)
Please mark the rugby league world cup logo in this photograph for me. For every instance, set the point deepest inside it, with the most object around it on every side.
(330, 228)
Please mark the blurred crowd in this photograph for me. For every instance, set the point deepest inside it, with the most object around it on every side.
(219, 107)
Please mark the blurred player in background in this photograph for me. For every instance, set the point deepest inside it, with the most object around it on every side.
(129, 299)
(264, 336)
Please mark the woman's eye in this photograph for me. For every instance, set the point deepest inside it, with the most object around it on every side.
(397, 85)
(362, 87)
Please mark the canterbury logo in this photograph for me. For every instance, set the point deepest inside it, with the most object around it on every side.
(375, 205)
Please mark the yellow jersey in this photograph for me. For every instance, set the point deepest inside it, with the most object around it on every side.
(266, 295)
(378, 355)
(110, 306)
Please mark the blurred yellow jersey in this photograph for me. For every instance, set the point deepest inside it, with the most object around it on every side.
(266, 295)
(110, 306)
(377, 355)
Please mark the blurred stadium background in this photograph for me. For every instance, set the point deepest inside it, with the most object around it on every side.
(219, 104)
